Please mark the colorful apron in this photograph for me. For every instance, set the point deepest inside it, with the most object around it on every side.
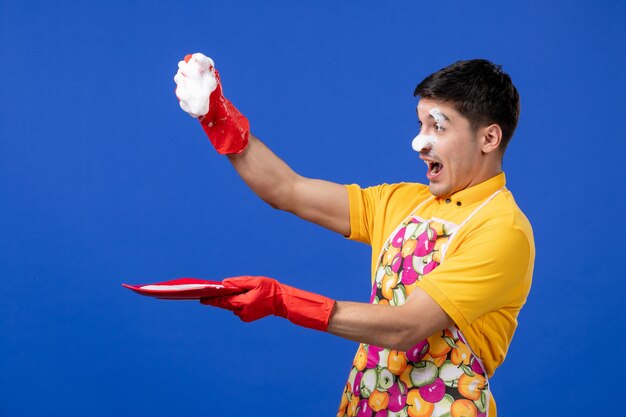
(438, 377)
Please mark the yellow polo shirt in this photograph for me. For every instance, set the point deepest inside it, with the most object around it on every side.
(484, 280)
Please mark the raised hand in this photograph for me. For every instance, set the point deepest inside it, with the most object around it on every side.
(199, 92)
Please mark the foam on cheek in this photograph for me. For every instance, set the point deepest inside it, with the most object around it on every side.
(195, 81)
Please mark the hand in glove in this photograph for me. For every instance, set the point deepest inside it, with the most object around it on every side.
(266, 296)
(199, 90)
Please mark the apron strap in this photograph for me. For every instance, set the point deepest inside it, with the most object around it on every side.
(484, 203)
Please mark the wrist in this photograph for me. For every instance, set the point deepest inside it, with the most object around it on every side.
(226, 127)
(306, 309)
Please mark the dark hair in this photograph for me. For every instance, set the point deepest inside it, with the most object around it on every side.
(480, 91)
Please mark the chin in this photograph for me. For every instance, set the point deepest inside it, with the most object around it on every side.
(439, 190)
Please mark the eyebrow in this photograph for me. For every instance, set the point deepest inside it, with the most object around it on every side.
(446, 118)
(430, 116)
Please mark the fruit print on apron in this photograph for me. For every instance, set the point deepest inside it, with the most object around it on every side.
(439, 376)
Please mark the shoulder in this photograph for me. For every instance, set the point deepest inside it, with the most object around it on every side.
(402, 191)
(501, 222)
(503, 213)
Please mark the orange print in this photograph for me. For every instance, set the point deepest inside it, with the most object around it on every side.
(438, 345)
(437, 227)
(354, 403)
(438, 361)
(389, 255)
(378, 400)
(388, 284)
(409, 247)
(360, 360)
(471, 386)
(417, 407)
(406, 376)
(344, 400)
(437, 249)
(463, 408)
(396, 362)
(461, 354)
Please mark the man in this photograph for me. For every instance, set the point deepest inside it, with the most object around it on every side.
(451, 262)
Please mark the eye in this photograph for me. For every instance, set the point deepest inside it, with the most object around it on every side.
(439, 128)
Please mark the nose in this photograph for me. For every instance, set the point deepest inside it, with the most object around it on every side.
(423, 142)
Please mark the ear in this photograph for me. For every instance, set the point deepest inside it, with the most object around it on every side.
(492, 136)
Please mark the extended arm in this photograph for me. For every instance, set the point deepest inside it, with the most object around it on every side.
(395, 327)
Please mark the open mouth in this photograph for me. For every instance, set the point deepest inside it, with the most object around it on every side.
(434, 168)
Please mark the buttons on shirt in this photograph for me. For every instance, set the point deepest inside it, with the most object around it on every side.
(449, 200)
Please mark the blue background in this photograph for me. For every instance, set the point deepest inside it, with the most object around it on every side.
(104, 180)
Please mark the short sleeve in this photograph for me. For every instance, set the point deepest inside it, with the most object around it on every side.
(363, 203)
(490, 269)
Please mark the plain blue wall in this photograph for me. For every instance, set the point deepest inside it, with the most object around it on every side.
(103, 180)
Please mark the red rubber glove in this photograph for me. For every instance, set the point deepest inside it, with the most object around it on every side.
(225, 126)
(266, 296)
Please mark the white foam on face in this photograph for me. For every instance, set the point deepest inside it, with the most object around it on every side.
(422, 141)
(180, 287)
(195, 81)
(437, 115)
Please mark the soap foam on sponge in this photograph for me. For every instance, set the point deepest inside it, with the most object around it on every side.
(195, 81)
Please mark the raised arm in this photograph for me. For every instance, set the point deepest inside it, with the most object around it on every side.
(321, 202)
(199, 90)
